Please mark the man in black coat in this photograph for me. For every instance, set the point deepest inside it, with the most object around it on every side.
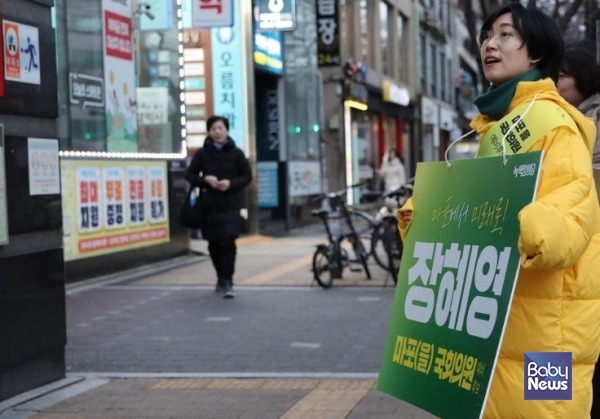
(221, 170)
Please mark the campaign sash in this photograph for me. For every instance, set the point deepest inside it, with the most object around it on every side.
(544, 116)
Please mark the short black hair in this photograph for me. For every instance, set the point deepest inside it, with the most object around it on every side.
(540, 33)
(580, 63)
(210, 121)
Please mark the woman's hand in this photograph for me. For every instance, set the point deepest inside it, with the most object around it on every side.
(212, 181)
(223, 185)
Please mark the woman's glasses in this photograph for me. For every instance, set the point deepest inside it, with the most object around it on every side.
(484, 37)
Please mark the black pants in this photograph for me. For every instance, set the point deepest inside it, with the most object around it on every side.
(222, 253)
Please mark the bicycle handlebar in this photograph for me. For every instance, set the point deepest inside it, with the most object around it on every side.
(340, 192)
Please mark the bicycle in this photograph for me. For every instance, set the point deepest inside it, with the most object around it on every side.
(329, 260)
(386, 244)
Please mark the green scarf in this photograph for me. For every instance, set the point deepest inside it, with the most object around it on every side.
(495, 101)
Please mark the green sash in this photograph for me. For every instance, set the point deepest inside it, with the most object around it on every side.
(543, 116)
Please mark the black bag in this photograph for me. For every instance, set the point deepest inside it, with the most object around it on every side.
(191, 214)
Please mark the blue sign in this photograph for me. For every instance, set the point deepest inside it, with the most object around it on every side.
(276, 14)
(268, 184)
(268, 51)
(548, 375)
(228, 75)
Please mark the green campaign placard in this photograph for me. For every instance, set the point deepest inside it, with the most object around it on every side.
(456, 281)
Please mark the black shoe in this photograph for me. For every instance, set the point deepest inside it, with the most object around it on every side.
(221, 286)
(228, 289)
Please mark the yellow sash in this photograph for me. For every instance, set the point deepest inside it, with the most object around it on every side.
(543, 116)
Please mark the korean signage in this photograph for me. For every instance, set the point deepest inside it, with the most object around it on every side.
(44, 173)
(152, 105)
(267, 176)
(268, 51)
(3, 209)
(21, 52)
(119, 76)
(328, 33)
(111, 206)
(276, 14)
(212, 13)
(456, 282)
(304, 178)
(267, 117)
(395, 94)
(229, 95)
(86, 91)
(196, 56)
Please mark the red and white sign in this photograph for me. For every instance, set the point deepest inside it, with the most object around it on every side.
(118, 35)
(212, 13)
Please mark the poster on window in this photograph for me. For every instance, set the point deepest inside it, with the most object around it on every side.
(457, 278)
(119, 76)
(112, 206)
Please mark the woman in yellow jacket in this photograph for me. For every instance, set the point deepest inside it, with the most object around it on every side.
(556, 305)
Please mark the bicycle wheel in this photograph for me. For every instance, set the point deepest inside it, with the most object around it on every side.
(321, 267)
(361, 253)
(393, 246)
(378, 246)
(386, 246)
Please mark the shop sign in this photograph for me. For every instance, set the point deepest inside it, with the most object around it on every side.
(212, 13)
(268, 184)
(86, 90)
(276, 14)
(111, 206)
(356, 91)
(267, 117)
(229, 99)
(328, 33)
(268, 51)
(395, 94)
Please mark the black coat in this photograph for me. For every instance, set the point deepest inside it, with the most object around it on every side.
(222, 209)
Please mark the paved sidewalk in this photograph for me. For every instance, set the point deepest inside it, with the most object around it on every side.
(262, 261)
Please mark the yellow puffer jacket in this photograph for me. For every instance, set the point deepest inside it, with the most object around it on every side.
(556, 306)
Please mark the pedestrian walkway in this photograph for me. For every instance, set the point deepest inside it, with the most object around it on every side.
(197, 398)
(263, 261)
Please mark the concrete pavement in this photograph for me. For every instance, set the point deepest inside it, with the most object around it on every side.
(262, 261)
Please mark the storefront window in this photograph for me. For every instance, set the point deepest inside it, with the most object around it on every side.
(364, 32)
(87, 128)
(302, 87)
(384, 31)
(402, 29)
(127, 104)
